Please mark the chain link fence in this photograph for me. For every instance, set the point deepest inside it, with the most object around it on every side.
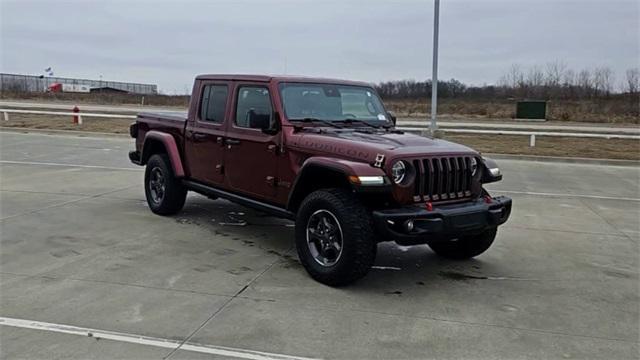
(30, 83)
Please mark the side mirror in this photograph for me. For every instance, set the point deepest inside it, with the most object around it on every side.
(392, 116)
(262, 122)
(274, 125)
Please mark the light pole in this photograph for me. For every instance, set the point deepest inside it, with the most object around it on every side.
(434, 76)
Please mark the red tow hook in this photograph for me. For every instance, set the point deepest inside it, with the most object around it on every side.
(429, 206)
(488, 199)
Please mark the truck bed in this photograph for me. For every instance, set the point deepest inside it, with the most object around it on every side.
(170, 122)
(165, 115)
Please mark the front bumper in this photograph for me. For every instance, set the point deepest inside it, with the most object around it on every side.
(442, 222)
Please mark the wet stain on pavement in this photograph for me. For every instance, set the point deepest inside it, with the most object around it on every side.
(290, 261)
(397, 292)
(239, 271)
(225, 252)
(187, 221)
(456, 276)
(204, 268)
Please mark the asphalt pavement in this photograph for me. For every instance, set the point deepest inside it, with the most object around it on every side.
(87, 271)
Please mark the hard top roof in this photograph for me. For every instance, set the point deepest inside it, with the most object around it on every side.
(278, 78)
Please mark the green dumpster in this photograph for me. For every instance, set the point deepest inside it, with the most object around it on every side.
(531, 109)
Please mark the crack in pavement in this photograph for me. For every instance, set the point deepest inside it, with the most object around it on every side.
(226, 303)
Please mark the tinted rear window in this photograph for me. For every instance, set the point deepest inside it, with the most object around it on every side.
(214, 103)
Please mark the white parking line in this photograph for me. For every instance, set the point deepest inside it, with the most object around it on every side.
(67, 165)
(143, 340)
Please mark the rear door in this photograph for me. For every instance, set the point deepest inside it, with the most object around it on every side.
(204, 135)
(251, 155)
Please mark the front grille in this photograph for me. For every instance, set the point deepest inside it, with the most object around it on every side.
(442, 178)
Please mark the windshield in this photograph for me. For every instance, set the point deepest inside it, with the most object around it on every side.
(331, 102)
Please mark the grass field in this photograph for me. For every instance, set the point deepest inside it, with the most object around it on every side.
(619, 109)
(503, 144)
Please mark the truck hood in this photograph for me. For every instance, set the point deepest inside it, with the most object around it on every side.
(366, 146)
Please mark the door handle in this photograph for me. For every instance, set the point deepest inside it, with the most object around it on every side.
(198, 136)
(232, 141)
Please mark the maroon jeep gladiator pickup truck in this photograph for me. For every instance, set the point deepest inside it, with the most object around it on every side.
(326, 154)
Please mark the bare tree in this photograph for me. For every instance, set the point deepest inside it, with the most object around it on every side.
(585, 82)
(569, 84)
(555, 71)
(535, 76)
(603, 81)
(514, 77)
(554, 74)
(633, 80)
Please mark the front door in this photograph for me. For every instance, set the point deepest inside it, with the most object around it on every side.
(204, 135)
(250, 154)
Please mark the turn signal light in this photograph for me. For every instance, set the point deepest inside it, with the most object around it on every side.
(429, 206)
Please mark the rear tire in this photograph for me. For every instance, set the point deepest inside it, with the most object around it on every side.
(334, 237)
(164, 192)
(465, 247)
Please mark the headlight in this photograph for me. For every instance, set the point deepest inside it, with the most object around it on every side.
(398, 172)
(474, 166)
(367, 180)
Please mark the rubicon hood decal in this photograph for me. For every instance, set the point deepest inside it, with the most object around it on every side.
(367, 146)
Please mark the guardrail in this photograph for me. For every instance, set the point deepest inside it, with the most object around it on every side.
(531, 133)
(494, 125)
(528, 133)
(78, 115)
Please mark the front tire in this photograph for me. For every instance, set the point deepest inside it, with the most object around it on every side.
(334, 237)
(465, 247)
(164, 192)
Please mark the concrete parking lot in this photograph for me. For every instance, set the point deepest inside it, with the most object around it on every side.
(80, 254)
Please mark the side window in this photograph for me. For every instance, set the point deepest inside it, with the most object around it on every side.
(214, 103)
(253, 109)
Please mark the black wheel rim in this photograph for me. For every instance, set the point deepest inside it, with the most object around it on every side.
(157, 185)
(324, 238)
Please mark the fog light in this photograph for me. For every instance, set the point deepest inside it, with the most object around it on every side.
(408, 225)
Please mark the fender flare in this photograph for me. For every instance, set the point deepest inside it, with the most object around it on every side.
(344, 168)
(170, 146)
(487, 177)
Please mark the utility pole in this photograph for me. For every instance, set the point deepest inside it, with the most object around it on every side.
(434, 77)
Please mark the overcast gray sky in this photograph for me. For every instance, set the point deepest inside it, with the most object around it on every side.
(168, 42)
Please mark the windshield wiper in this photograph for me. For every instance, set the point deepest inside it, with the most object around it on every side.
(357, 121)
(315, 120)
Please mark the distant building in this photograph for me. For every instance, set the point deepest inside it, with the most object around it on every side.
(30, 83)
(107, 90)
